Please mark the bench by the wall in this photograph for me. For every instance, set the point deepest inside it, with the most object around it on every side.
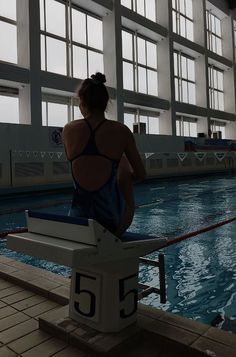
(104, 283)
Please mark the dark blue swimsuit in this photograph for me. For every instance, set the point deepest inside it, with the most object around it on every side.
(105, 205)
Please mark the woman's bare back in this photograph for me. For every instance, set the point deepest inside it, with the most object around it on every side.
(111, 138)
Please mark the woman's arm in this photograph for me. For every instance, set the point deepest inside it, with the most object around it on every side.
(132, 154)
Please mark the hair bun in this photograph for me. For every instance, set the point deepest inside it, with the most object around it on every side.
(98, 78)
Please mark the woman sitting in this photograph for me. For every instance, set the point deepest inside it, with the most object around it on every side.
(104, 161)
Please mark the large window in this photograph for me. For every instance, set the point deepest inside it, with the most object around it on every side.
(185, 88)
(139, 64)
(142, 122)
(9, 108)
(216, 88)
(186, 127)
(218, 126)
(214, 40)
(71, 42)
(8, 31)
(146, 8)
(182, 17)
(59, 110)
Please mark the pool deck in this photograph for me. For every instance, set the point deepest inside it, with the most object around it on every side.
(34, 322)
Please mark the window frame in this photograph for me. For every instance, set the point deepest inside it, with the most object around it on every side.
(212, 36)
(10, 22)
(12, 93)
(136, 64)
(180, 78)
(68, 39)
(218, 126)
(145, 113)
(134, 8)
(214, 90)
(178, 15)
(180, 120)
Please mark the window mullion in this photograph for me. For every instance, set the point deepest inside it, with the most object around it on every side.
(136, 62)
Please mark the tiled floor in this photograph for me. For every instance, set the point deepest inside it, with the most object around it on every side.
(27, 293)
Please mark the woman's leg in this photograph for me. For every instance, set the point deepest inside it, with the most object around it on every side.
(125, 180)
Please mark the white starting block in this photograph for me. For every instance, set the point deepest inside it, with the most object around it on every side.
(104, 284)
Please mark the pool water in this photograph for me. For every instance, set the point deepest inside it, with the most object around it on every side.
(200, 271)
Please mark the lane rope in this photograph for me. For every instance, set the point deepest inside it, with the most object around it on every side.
(15, 231)
(199, 231)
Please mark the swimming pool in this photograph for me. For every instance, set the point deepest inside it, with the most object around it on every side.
(200, 271)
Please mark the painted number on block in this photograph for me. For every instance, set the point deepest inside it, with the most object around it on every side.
(128, 295)
(86, 295)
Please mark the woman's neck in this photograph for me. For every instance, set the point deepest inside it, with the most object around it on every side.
(95, 117)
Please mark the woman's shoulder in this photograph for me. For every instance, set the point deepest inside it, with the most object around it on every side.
(118, 125)
(73, 124)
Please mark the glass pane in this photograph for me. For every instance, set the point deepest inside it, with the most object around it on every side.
(177, 127)
(223, 132)
(177, 96)
(57, 114)
(95, 33)
(215, 78)
(142, 80)
(127, 3)
(211, 98)
(56, 56)
(43, 63)
(154, 125)
(42, 10)
(9, 110)
(182, 26)
(44, 114)
(151, 10)
(77, 113)
(128, 76)
(8, 42)
(152, 83)
(189, 30)
(221, 100)
(79, 63)
(129, 120)
(174, 16)
(78, 26)
(220, 81)
(183, 67)
(186, 128)
(95, 63)
(189, 8)
(213, 43)
(184, 92)
(215, 100)
(211, 23)
(191, 70)
(140, 7)
(141, 51)
(127, 45)
(193, 129)
(217, 27)
(175, 64)
(8, 9)
(151, 55)
(55, 24)
(182, 6)
(192, 93)
(218, 46)
(174, 4)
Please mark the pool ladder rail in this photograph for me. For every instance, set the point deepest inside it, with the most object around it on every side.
(147, 289)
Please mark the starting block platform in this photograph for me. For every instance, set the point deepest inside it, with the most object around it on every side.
(104, 283)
